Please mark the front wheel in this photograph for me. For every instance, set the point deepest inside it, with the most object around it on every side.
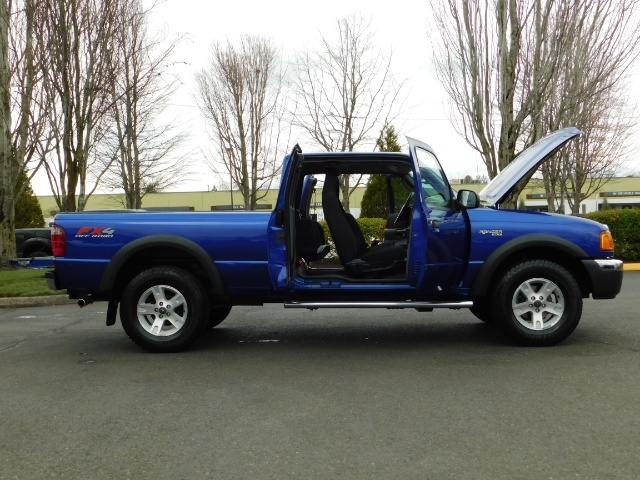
(163, 309)
(537, 303)
(482, 311)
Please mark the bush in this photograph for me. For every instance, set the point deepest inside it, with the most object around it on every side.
(28, 211)
(372, 229)
(625, 228)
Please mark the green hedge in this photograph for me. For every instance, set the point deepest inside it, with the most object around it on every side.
(625, 228)
(372, 229)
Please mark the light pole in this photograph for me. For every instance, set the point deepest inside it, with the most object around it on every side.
(230, 153)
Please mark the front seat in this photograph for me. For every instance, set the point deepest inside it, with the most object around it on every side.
(355, 255)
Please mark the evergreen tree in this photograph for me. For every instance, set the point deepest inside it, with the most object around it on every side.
(388, 139)
(375, 201)
(28, 210)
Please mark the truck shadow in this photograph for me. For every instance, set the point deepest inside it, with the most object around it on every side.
(467, 334)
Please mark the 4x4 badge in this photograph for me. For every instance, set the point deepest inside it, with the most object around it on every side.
(493, 233)
(95, 232)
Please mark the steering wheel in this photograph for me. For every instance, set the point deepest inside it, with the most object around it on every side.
(405, 211)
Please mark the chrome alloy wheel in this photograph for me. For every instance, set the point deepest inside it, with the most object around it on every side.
(162, 310)
(538, 304)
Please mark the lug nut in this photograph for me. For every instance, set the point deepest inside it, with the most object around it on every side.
(532, 299)
(161, 302)
(160, 316)
(156, 309)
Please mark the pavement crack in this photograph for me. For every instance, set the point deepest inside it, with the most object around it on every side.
(48, 333)
(4, 349)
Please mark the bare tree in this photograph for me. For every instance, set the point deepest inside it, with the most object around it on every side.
(590, 90)
(137, 146)
(240, 96)
(23, 111)
(587, 164)
(504, 61)
(345, 91)
(486, 68)
(80, 35)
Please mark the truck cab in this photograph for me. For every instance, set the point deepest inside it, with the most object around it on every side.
(425, 246)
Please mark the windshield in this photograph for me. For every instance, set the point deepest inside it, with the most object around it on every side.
(435, 187)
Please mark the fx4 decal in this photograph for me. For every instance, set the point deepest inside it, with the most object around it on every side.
(95, 232)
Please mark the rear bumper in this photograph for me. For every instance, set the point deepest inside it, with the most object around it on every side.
(32, 262)
(605, 276)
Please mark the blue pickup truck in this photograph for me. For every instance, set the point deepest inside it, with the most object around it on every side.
(173, 275)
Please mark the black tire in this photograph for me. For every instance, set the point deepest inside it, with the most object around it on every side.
(166, 291)
(481, 309)
(548, 314)
(39, 251)
(217, 315)
(38, 255)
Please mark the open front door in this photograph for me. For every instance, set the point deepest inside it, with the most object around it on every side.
(439, 229)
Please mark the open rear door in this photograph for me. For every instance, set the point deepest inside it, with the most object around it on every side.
(281, 232)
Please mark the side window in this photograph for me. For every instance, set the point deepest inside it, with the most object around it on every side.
(435, 187)
(401, 191)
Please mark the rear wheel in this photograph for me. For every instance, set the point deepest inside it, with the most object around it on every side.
(163, 309)
(537, 303)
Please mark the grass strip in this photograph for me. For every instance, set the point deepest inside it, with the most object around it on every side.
(24, 282)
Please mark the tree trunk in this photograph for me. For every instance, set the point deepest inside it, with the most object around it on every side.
(549, 188)
(9, 170)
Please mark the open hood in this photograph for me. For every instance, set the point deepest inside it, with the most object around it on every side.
(498, 188)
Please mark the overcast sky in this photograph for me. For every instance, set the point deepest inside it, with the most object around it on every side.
(400, 25)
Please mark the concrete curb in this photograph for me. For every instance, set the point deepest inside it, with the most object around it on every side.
(42, 301)
(49, 300)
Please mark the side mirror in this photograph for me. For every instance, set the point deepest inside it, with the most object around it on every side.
(468, 199)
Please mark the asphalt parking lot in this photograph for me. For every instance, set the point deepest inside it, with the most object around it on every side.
(276, 393)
